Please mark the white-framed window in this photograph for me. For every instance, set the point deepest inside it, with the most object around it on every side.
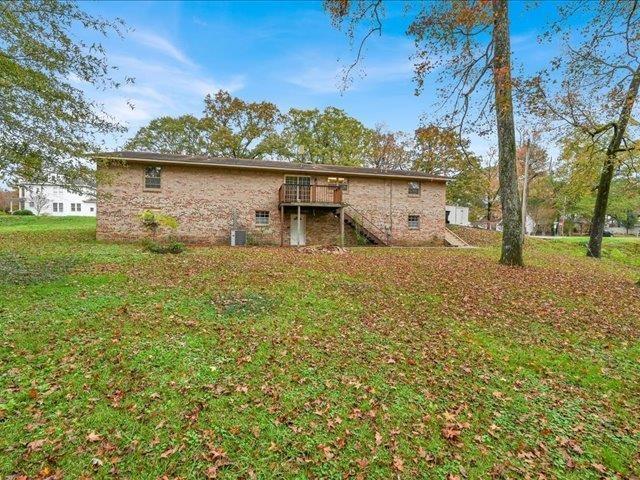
(78, 207)
(414, 222)
(413, 188)
(341, 182)
(57, 207)
(75, 207)
(262, 217)
(91, 209)
(152, 177)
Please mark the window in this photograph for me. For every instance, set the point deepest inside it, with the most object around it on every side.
(414, 188)
(57, 207)
(31, 204)
(341, 182)
(75, 207)
(262, 217)
(297, 189)
(152, 177)
(91, 209)
(78, 207)
(414, 222)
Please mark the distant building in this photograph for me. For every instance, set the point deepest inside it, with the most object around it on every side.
(457, 215)
(56, 200)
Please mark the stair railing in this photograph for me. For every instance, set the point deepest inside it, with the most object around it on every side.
(369, 225)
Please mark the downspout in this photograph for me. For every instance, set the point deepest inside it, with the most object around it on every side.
(390, 211)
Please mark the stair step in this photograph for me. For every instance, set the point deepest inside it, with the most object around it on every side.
(353, 223)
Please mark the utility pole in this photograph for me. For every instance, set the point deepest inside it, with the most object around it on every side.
(525, 186)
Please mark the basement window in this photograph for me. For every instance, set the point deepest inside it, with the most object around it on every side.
(414, 222)
(262, 218)
(414, 188)
(152, 177)
(341, 182)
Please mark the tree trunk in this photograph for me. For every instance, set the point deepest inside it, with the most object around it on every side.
(511, 211)
(525, 189)
(619, 129)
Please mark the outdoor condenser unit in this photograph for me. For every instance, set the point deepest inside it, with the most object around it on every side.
(238, 238)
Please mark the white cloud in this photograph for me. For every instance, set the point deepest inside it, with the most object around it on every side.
(327, 77)
(162, 89)
(123, 110)
(162, 45)
(321, 72)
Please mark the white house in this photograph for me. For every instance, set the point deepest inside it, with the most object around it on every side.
(56, 200)
(457, 215)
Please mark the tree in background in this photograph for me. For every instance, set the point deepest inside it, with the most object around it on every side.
(180, 135)
(490, 187)
(330, 137)
(599, 88)
(229, 127)
(442, 151)
(37, 198)
(575, 180)
(624, 203)
(235, 128)
(468, 41)
(439, 150)
(389, 150)
(46, 123)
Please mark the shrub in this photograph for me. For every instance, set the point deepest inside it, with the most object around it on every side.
(23, 212)
(162, 248)
(152, 221)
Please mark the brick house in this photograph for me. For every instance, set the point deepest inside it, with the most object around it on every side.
(274, 203)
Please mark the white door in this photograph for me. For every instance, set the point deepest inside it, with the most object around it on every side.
(298, 237)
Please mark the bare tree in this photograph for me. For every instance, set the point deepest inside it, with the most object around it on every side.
(599, 88)
(37, 198)
(468, 41)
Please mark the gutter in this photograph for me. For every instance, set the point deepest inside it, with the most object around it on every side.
(277, 169)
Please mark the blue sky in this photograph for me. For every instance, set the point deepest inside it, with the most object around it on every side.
(284, 52)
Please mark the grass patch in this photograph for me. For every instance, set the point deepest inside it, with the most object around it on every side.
(263, 363)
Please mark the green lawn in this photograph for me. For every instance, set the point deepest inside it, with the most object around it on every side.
(271, 363)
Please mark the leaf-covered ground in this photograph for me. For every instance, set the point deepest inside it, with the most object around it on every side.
(271, 363)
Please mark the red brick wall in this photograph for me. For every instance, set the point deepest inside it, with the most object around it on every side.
(205, 200)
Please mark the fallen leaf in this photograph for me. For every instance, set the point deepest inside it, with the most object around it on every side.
(94, 437)
(398, 463)
(36, 445)
(168, 452)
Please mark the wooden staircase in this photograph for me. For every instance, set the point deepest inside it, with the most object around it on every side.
(365, 227)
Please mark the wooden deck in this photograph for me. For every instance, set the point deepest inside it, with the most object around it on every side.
(295, 195)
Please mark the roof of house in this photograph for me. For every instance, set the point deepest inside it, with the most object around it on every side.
(197, 160)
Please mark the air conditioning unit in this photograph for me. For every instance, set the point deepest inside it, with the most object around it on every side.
(238, 238)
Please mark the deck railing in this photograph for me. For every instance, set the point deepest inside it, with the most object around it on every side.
(300, 193)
